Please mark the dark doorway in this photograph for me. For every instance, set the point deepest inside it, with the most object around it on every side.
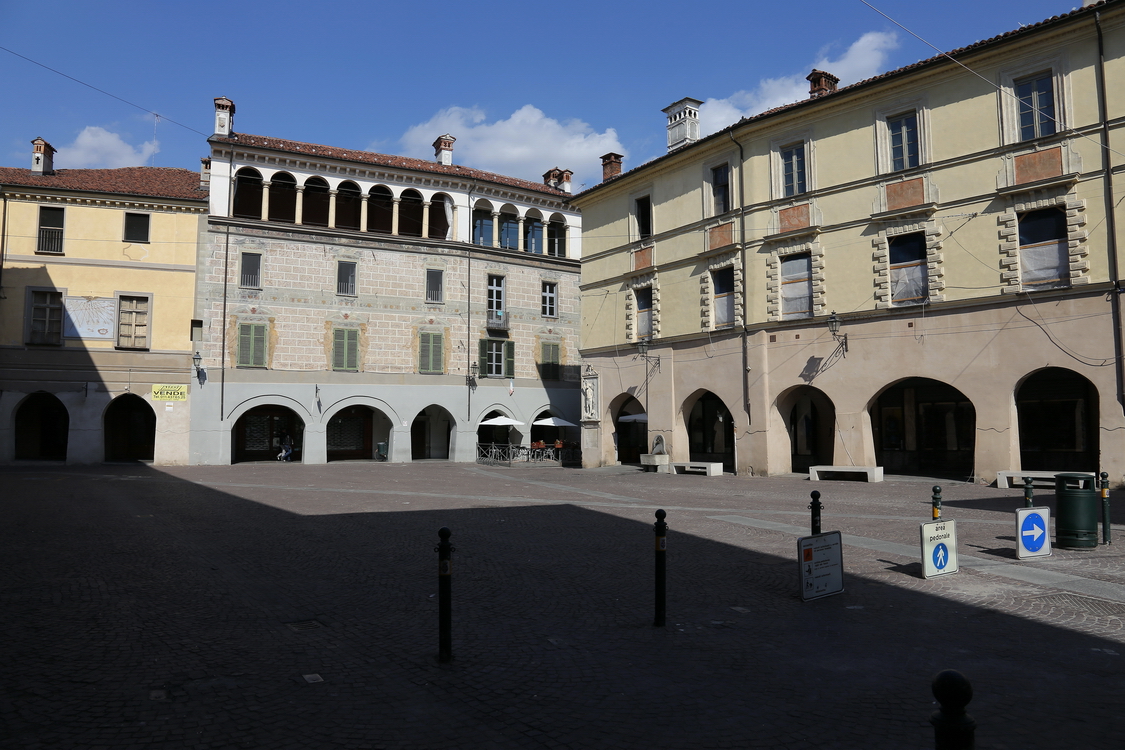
(42, 428)
(349, 434)
(924, 427)
(258, 434)
(811, 419)
(632, 433)
(430, 432)
(711, 432)
(1058, 422)
(130, 429)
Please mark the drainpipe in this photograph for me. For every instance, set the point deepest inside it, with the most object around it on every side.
(1111, 219)
(469, 318)
(3, 238)
(745, 270)
(226, 276)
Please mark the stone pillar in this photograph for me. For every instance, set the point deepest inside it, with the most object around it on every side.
(496, 229)
(265, 200)
(363, 213)
(299, 212)
(519, 236)
(332, 208)
(394, 217)
(425, 219)
(454, 234)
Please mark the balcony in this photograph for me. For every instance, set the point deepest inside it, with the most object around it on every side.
(496, 320)
(50, 241)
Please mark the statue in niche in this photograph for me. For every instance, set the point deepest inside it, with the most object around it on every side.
(658, 448)
(590, 398)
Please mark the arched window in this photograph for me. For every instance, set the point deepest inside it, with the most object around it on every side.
(533, 233)
(380, 210)
(556, 238)
(509, 230)
(441, 217)
(482, 224)
(314, 212)
(247, 194)
(348, 206)
(410, 214)
(283, 198)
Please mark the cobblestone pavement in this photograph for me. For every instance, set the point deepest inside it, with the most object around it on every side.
(184, 608)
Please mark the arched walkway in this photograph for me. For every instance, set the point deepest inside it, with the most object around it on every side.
(42, 428)
(358, 433)
(710, 431)
(1058, 421)
(129, 425)
(810, 417)
(260, 433)
(248, 194)
(545, 433)
(630, 424)
(429, 433)
(495, 434)
(924, 427)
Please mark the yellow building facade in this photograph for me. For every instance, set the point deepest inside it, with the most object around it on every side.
(953, 221)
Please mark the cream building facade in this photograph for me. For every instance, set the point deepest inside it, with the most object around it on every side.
(956, 223)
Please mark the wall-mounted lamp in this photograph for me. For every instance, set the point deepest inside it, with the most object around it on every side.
(200, 373)
(474, 369)
(642, 350)
(834, 329)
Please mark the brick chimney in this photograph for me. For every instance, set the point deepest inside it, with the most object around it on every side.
(683, 122)
(611, 165)
(821, 83)
(224, 116)
(565, 178)
(42, 157)
(551, 177)
(443, 149)
(205, 173)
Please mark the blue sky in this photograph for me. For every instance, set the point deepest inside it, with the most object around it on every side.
(523, 86)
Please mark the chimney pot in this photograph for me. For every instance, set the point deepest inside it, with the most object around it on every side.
(821, 83)
(565, 179)
(611, 165)
(443, 149)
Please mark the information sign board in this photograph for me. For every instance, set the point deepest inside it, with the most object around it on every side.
(820, 561)
(1033, 532)
(939, 548)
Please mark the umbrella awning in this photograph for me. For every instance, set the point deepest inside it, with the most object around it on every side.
(633, 418)
(500, 422)
(553, 422)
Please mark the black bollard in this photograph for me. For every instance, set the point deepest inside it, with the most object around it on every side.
(445, 596)
(953, 728)
(1107, 535)
(1028, 493)
(936, 502)
(815, 507)
(661, 530)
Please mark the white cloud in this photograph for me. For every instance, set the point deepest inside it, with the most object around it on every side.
(525, 145)
(866, 57)
(98, 148)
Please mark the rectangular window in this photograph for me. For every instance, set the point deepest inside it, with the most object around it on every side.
(430, 353)
(497, 358)
(533, 236)
(345, 278)
(723, 297)
(136, 227)
(643, 209)
(550, 299)
(251, 277)
(252, 344)
(496, 302)
(435, 285)
(345, 349)
(550, 367)
(1044, 254)
(910, 279)
(720, 189)
(1036, 96)
(556, 239)
(50, 230)
(132, 322)
(509, 231)
(482, 227)
(644, 311)
(793, 170)
(903, 131)
(796, 286)
(46, 318)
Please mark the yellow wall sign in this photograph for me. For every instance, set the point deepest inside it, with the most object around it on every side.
(169, 393)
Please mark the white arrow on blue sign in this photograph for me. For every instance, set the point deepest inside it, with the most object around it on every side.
(1033, 532)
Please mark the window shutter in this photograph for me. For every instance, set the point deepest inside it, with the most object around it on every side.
(510, 359)
(339, 349)
(259, 334)
(483, 363)
(352, 348)
(436, 352)
(245, 345)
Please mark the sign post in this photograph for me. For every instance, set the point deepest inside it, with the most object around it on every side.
(821, 565)
(939, 548)
(1033, 532)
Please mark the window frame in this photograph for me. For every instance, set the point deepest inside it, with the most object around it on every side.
(808, 279)
(1037, 108)
(550, 360)
(644, 229)
(506, 355)
(644, 312)
(1057, 69)
(49, 235)
(259, 332)
(1061, 243)
(342, 287)
(439, 274)
(428, 343)
(922, 261)
(348, 359)
(495, 298)
(884, 138)
(29, 313)
(148, 297)
(721, 298)
(242, 277)
(549, 299)
(717, 208)
(800, 184)
(147, 227)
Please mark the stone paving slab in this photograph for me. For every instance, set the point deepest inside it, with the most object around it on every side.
(184, 608)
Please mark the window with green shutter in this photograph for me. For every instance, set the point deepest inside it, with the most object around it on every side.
(252, 345)
(497, 358)
(430, 353)
(345, 349)
(549, 365)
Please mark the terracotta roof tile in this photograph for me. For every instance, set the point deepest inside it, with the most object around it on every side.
(155, 182)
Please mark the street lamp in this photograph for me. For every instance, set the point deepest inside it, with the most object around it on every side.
(472, 376)
(834, 329)
(200, 373)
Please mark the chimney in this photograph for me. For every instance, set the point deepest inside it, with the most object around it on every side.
(683, 122)
(551, 177)
(821, 83)
(42, 157)
(565, 177)
(611, 165)
(224, 116)
(205, 173)
(443, 149)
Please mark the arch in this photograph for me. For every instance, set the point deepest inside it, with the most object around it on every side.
(314, 202)
(924, 427)
(441, 216)
(410, 214)
(260, 433)
(247, 194)
(494, 434)
(283, 198)
(349, 203)
(482, 223)
(630, 437)
(556, 231)
(710, 429)
(430, 433)
(810, 417)
(129, 426)
(380, 210)
(42, 428)
(509, 229)
(544, 433)
(358, 432)
(1057, 410)
(533, 232)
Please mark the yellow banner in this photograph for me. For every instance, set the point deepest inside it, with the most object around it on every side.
(169, 393)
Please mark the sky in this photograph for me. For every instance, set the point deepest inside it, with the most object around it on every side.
(524, 87)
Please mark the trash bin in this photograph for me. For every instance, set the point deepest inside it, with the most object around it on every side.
(380, 451)
(1076, 511)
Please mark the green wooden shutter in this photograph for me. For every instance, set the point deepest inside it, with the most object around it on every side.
(484, 358)
(437, 352)
(259, 352)
(339, 349)
(352, 358)
(245, 345)
(430, 352)
(509, 359)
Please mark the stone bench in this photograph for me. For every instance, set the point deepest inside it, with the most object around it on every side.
(871, 473)
(698, 467)
(1014, 479)
(658, 461)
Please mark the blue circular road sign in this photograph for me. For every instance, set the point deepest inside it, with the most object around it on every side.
(1033, 532)
(941, 556)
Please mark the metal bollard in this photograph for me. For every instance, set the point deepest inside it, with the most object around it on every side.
(661, 530)
(953, 728)
(815, 506)
(1028, 493)
(936, 502)
(1107, 533)
(445, 590)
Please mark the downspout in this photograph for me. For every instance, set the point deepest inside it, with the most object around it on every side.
(226, 282)
(745, 269)
(469, 318)
(3, 238)
(1111, 219)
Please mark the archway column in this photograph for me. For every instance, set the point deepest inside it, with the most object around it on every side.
(394, 217)
(852, 440)
(519, 236)
(299, 209)
(363, 213)
(495, 229)
(314, 443)
(997, 442)
(425, 219)
(266, 200)
(332, 208)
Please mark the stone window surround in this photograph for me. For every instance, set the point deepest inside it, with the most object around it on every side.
(1008, 221)
(777, 175)
(706, 290)
(1009, 105)
(634, 228)
(117, 319)
(731, 160)
(29, 305)
(883, 158)
(807, 243)
(640, 282)
(935, 270)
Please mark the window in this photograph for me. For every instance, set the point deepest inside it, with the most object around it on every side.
(430, 353)
(345, 349)
(550, 367)
(1036, 95)
(136, 227)
(45, 317)
(252, 344)
(132, 322)
(909, 275)
(556, 239)
(643, 212)
(345, 278)
(496, 301)
(723, 296)
(903, 130)
(497, 358)
(1044, 256)
(50, 230)
(550, 299)
(251, 277)
(644, 311)
(435, 285)
(482, 227)
(509, 231)
(720, 188)
(793, 180)
(796, 286)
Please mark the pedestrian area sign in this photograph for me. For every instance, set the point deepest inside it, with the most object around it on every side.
(821, 561)
(1033, 532)
(939, 548)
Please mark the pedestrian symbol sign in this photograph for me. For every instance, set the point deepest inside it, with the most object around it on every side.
(939, 548)
(820, 561)
(1033, 532)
